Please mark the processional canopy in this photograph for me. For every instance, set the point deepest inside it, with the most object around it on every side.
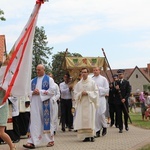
(75, 64)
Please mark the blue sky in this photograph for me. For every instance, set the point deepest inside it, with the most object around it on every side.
(121, 27)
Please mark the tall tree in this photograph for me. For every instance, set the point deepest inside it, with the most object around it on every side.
(41, 51)
(57, 64)
(1, 15)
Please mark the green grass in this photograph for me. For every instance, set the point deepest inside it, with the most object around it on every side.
(138, 122)
(147, 147)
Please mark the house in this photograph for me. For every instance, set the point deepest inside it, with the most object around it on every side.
(139, 78)
(2, 48)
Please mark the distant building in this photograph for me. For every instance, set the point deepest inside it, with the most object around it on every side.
(139, 78)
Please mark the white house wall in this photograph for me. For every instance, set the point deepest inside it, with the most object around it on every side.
(137, 83)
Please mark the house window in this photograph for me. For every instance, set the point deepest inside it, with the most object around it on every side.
(136, 75)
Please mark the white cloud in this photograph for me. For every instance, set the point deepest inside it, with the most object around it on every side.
(116, 14)
(73, 32)
(68, 20)
(112, 15)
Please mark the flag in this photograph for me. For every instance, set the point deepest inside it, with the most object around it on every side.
(17, 73)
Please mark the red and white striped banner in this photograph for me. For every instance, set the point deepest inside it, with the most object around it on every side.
(17, 73)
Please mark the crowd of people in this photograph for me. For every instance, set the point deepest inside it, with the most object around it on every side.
(145, 105)
(83, 107)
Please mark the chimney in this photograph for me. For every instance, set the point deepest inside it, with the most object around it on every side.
(2, 47)
(148, 69)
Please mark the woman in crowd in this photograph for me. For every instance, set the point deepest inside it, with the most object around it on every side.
(3, 122)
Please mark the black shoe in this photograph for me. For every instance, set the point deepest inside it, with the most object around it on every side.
(127, 129)
(63, 129)
(16, 141)
(104, 131)
(120, 131)
(92, 139)
(86, 139)
(29, 146)
(97, 134)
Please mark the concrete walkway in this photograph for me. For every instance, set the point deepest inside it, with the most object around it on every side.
(128, 140)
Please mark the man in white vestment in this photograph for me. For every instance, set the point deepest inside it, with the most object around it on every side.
(41, 127)
(86, 97)
(54, 105)
(103, 88)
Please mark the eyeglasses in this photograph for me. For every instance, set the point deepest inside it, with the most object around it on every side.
(84, 72)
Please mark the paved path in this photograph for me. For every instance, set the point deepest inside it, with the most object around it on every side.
(128, 140)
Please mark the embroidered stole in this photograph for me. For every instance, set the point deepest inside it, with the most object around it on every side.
(46, 103)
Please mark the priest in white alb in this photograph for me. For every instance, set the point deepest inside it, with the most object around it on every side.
(86, 97)
(41, 127)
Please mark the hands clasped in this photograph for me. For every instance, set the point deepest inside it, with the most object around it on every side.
(36, 92)
(84, 93)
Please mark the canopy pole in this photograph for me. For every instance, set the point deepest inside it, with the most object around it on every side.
(63, 58)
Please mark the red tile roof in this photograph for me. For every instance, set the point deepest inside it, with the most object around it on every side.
(128, 72)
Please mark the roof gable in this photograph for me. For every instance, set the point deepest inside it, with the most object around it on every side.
(127, 74)
(142, 71)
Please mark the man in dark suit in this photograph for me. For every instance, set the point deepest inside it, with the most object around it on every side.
(122, 93)
(111, 101)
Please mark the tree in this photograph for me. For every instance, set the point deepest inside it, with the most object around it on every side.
(57, 65)
(1, 15)
(146, 87)
(40, 50)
